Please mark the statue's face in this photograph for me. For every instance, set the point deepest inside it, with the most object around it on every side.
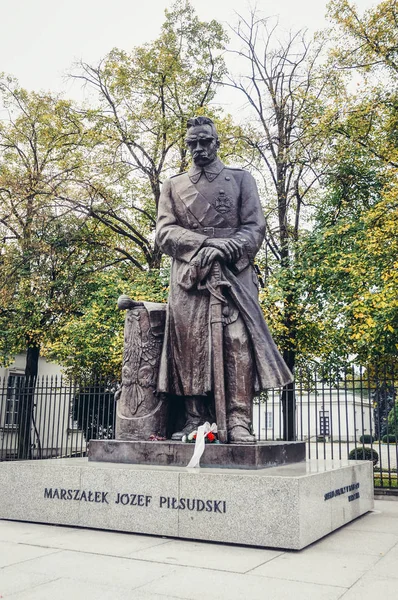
(202, 144)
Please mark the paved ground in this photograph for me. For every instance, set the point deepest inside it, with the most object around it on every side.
(43, 562)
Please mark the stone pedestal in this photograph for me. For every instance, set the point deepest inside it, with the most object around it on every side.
(281, 507)
(237, 456)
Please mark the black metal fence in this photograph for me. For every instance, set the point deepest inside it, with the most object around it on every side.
(53, 417)
(352, 413)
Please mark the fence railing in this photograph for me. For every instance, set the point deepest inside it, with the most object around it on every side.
(52, 417)
(350, 413)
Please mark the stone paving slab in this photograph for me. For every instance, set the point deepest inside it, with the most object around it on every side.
(23, 532)
(371, 587)
(13, 580)
(67, 589)
(323, 568)
(95, 541)
(387, 567)
(11, 553)
(99, 568)
(378, 522)
(194, 584)
(357, 562)
(204, 555)
(348, 540)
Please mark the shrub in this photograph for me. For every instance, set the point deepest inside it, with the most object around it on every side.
(389, 439)
(366, 439)
(385, 483)
(393, 420)
(364, 453)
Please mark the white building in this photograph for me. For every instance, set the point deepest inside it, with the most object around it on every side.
(329, 413)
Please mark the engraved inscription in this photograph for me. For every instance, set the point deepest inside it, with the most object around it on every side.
(139, 500)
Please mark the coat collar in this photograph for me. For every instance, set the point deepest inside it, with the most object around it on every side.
(211, 171)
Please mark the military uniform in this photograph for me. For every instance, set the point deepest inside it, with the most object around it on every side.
(215, 201)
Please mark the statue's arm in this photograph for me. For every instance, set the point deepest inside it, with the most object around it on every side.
(171, 237)
(241, 248)
(252, 227)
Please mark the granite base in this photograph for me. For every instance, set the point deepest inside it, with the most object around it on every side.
(237, 456)
(282, 507)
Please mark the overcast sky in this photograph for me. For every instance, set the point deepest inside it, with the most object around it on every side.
(40, 39)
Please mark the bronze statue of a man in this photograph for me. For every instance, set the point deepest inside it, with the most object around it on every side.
(211, 223)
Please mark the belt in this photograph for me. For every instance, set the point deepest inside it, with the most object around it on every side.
(217, 232)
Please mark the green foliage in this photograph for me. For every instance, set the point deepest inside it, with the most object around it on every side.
(366, 439)
(79, 189)
(389, 439)
(385, 483)
(45, 250)
(383, 399)
(370, 40)
(364, 453)
(346, 268)
(393, 421)
(349, 271)
(90, 344)
(138, 125)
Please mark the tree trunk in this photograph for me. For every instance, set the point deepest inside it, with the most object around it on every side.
(289, 353)
(289, 356)
(156, 257)
(26, 403)
(32, 361)
(289, 400)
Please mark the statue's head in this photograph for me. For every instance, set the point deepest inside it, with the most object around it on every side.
(202, 140)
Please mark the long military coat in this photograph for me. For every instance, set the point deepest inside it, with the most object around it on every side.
(215, 201)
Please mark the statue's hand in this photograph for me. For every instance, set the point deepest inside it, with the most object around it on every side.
(231, 248)
(208, 255)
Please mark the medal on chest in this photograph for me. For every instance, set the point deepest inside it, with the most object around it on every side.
(222, 202)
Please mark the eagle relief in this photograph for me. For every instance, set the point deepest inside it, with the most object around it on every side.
(141, 411)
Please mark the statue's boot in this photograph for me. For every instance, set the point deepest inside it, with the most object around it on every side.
(239, 383)
(241, 434)
(196, 414)
(239, 424)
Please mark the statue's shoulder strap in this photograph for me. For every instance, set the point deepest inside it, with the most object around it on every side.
(235, 172)
(178, 175)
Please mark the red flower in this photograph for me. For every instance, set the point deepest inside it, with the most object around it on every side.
(211, 437)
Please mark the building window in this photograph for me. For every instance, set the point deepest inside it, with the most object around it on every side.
(324, 425)
(14, 386)
(269, 420)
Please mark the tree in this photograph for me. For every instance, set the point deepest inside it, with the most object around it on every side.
(145, 98)
(393, 420)
(365, 47)
(39, 152)
(370, 40)
(349, 260)
(282, 89)
(347, 265)
(90, 344)
(43, 250)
